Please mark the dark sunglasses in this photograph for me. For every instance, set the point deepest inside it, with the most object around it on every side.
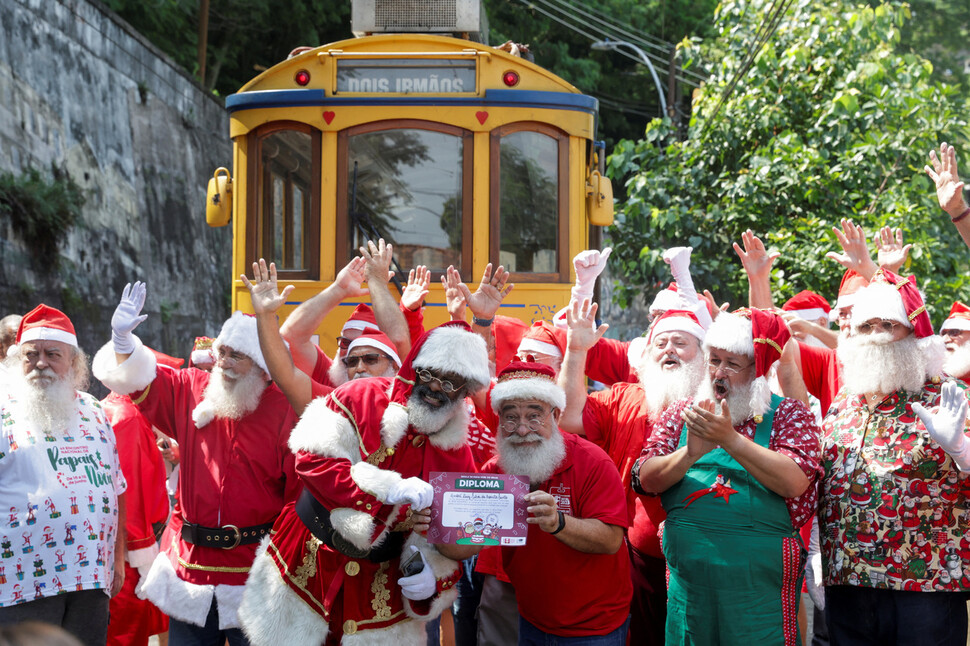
(369, 359)
(343, 342)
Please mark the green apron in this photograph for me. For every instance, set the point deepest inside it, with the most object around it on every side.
(734, 559)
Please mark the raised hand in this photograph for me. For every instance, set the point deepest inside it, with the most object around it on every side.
(756, 259)
(454, 299)
(582, 331)
(949, 188)
(589, 264)
(349, 280)
(419, 279)
(948, 424)
(127, 316)
(891, 253)
(855, 254)
(377, 259)
(490, 293)
(263, 292)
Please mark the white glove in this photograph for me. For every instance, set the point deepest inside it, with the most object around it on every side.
(414, 491)
(947, 425)
(679, 260)
(589, 265)
(421, 585)
(126, 317)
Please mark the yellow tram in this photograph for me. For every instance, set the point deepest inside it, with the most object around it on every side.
(456, 152)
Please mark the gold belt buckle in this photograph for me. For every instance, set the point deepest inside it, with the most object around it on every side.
(238, 536)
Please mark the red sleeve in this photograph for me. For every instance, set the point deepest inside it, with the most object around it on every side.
(168, 397)
(608, 363)
(820, 373)
(603, 495)
(321, 368)
(415, 320)
(597, 416)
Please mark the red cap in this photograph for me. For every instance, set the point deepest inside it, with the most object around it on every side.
(44, 323)
(851, 283)
(362, 318)
(508, 333)
(528, 380)
(376, 339)
(676, 321)
(807, 304)
(544, 338)
(958, 319)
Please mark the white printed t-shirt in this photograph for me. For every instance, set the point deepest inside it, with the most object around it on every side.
(58, 504)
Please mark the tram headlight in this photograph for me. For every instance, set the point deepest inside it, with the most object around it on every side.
(511, 78)
(302, 77)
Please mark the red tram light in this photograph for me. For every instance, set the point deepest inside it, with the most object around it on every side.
(302, 77)
(510, 78)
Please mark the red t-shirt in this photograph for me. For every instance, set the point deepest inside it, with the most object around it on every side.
(560, 590)
(820, 371)
(617, 421)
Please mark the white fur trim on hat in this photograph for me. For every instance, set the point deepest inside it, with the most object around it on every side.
(202, 357)
(135, 374)
(730, 332)
(879, 301)
(357, 324)
(48, 334)
(323, 432)
(371, 342)
(531, 388)
(271, 613)
(811, 314)
(239, 333)
(535, 345)
(678, 324)
(453, 349)
(667, 299)
(956, 323)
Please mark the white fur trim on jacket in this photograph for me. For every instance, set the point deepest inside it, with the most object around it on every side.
(271, 613)
(732, 333)
(135, 374)
(325, 432)
(454, 433)
(374, 480)
(539, 388)
(452, 349)
(204, 413)
(142, 557)
(394, 424)
(441, 566)
(357, 527)
(403, 633)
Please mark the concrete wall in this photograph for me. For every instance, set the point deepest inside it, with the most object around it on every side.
(81, 90)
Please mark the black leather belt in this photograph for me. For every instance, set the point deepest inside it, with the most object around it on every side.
(316, 517)
(226, 537)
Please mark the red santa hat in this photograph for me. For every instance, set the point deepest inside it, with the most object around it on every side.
(528, 380)
(239, 333)
(508, 333)
(44, 323)
(892, 298)
(676, 321)
(544, 338)
(807, 305)
(376, 339)
(851, 283)
(362, 318)
(667, 299)
(958, 319)
(202, 355)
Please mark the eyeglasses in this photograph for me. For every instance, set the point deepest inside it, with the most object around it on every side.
(879, 326)
(448, 387)
(533, 421)
(952, 332)
(726, 367)
(369, 359)
(343, 342)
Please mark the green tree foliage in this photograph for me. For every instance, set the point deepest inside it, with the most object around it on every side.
(42, 210)
(833, 119)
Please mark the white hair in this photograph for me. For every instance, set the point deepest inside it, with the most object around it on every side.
(48, 401)
(875, 363)
(538, 462)
(237, 398)
(662, 387)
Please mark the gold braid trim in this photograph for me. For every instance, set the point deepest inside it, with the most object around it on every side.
(381, 594)
(919, 310)
(770, 342)
(353, 422)
(204, 568)
(143, 395)
(309, 566)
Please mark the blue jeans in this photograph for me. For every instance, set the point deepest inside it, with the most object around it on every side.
(529, 635)
(181, 633)
(858, 616)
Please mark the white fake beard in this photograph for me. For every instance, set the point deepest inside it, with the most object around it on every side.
(48, 401)
(874, 363)
(237, 399)
(337, 373)
(427, 419)
(957, 363)
(661, 388)
(741, 400)
(538, 462)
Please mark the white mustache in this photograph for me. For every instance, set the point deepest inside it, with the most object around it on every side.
(525, 439)
(41, 373)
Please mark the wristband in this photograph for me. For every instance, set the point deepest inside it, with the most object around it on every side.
(965, 213)
(562, 524)
(482, 322)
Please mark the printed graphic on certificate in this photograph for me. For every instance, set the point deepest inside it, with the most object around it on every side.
(478, 509)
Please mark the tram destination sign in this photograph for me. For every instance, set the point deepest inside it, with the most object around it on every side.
(406, 76)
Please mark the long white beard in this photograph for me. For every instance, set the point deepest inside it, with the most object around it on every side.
(337, 373)
(661, 388)
(234, 400)
(48, 401)
(957, 363)
(428, 420)
(538, 462)
(744, 402)
(874, 363)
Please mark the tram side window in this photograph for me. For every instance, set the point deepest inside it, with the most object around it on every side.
(407, 185)
(529, 165)
(284, 200)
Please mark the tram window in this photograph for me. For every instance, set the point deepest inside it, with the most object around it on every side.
(408, 186)
(530, 224)
(284, 231)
